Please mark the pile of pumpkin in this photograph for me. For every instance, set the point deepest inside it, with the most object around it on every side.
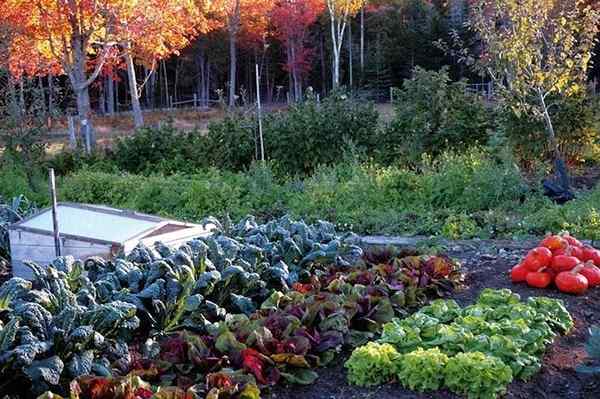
(562, 260)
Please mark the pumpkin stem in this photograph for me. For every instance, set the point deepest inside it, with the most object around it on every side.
(577, 269)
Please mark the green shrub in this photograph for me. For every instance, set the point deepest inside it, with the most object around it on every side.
(68, 161)
(160, 150)
(458, 196)
(432, 115)
(16, 180)
(297, 140)
(575, 122)
(231, 142)
(313, 133)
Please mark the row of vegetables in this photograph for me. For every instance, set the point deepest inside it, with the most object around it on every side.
(562, 260)
(219, 317)
(475, 351)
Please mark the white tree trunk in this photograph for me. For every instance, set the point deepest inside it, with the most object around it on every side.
(232, 68)
(350, 61)
(138, 117)
(362, 41)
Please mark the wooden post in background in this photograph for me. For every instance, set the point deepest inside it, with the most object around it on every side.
(85, 127)
(259, 110)
(72, 137)
(52, 183)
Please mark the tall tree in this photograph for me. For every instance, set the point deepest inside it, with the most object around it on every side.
(340, 11)
(75, 36)
(246, 18)
(291, 20)
(151, 30)
(537, 52)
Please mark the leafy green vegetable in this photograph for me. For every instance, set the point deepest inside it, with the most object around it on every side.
(498, 327)
(476, 375)
(372, 364)
(422, 370)
(269, 301)
(443, 310)
(491, 297)
(554, 312)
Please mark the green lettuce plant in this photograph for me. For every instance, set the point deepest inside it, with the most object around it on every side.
(422, 370)
(372, 364)
(476, 375)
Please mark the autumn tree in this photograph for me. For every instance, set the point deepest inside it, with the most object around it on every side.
(244, 18)
(291, 20)
(75, 36)
(537, 51)
(151, 30)
(340, 12)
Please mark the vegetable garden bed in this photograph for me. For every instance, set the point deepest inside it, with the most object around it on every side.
(254, 305)
(267, 306)
(486, 265)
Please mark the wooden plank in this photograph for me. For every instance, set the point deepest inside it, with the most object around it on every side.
(391, 241)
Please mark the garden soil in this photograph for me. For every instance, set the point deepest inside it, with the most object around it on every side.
(486, 264)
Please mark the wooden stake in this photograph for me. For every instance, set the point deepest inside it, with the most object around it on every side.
(52, 182)
(259, 110)
(86, 136)
(72, 137)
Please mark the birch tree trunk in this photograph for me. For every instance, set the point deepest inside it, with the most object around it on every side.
(166, 84)
(350, 61)
(232, 68)
(138, 117)
(335, 71)
(234, 23)
(338, 28)
(362, 41)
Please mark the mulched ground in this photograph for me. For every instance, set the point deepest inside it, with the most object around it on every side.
(485, 264)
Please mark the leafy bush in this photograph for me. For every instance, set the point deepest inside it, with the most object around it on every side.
(477, 375)
(66, 162)
(312, 133)
(372, 364)
(422, 370)
(458, 196)
(231, 143)
(11, 211)
(575, 122)
(297, 140)
(160, 150)
(17, 179)
(433, 114)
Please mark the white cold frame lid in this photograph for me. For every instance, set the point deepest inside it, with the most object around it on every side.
(94, 222)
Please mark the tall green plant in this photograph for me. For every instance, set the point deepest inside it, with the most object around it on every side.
(433, 114)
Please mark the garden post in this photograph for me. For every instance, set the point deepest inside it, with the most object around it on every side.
(259, 110)
(72, 137)
(56, 233)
